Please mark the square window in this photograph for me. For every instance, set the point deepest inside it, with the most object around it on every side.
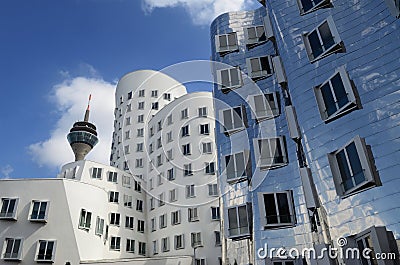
(141, 105)
(97, 173)
(184, 114)
(264, 106)
(237, 167)
(45, 251)
(203, 112)
(113, 196)
(12, 249)
(187, 170)
(128, 121)
(85, 220)
(176, 217)
(201, 261)
(238, 221)
(308, 6)
(323, 41)
(154, 93)
(210, 168)
(212, 189)
(277, 209)
(205, 129)
(336, 96)
(138, 186)
(126, 181)
(139, 147)
(229, 79)
(140, 118)
(270, 152)
(259, 67)
(207, 148)
(112, 177)
(139, 163)
(226, 43)
(140, 132)
(234, 120)
(9, 208)
(167, 96)
(141, 93)
(352, 168)
(193, 215)
(255, 35)
(154, 105)
(115, 243)
(196, 239)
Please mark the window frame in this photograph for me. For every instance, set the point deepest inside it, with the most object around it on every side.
(203, 112)
(269, 113)
(113, 196)
(129, 222)
(87, 220)
(278, 224)
(213, 189)
(258, 40)
(163, 221)
(210, 168)
(263, 73)
(338, 45)
(100, 224)
(247, 167)
(271, 165)
(230, 47)
(9, 215)
(196, 239)
(182, 240)
(233, 129)
(53, 250)
(112, 177)
(97, 173)
(207, 148)
(116, 245)
(193, 214)
(204, 129)
(187, 170)
(130, 245)
(190, 191)
(142, 248)
(221, 86)
(215, 213)
(176, 217)
(365, 158)
(241, 234)
(351, 92)
(322, 4)
(185, 131)
(11, 256)
(115, 219)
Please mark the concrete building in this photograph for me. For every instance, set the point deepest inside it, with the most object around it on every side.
(100, 214)
(307, 92)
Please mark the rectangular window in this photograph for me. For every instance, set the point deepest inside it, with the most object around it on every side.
(159, 126)
(193, 215)
(186, 149)
(140, 227)
(169, 137)
(141, 105)
(203, 112)
(154, 93)
(161, 199)
(187, 170)
(190, 191)
(167, 96)
(140, 132)
(170, 174)
(112, 177)
(173, 195)
(85, 220)
(336, 96)
(99, 226)
(115, 243)
(205, 129)
(128, 107)
(128, 201)
(127, 135)
(8, 208)
(234, 119)
(128, 121)
(277, 209)
(126, 181)
(165, 244)
(139, 163)
(141, 93)
(169, 120)
(152, 204)
(129, 222)
(155, 247)
(130, 245)
(96, 173)
(185, 131)
(308, 6)
(264, 106)
(217, 236)
(255, 35)
(352, 168)
(140, 118)
(12, 249)
(126, 165)
(130, 95)
(226, 43)
(238, 221)
(46, 251)
(138, 186)
(113, 196)
(229, 79)
(159, 143)
(151, 149)
(207, 148)
(196, 239)
(139, 205)
(126, 149)
(210, 168)
(323, 41)
(153, 224)
(201, 261)
(212, 189)
(39, 211)
(184, 114)
(259, 67)
(170, 155)
(142, 248)
(179, 241)
(159, 160)
(154, 105)
(160, 178)
(176, 217)
(237, 166)
(115, 219)
(163, 221)
(215, 213)
(139, 147)
(271, 152)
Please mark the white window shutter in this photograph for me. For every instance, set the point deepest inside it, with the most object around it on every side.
(279, 70)
(293, 125)
(269, 33)
(309, 190)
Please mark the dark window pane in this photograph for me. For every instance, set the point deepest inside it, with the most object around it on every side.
(237, 117)
(340, 91)
(225, 78)
(233, 222)
(232, 39)
(42, 211)
(270, 209)
(251, 32)
(344, 170)
(315, 44)
(326, 35)
(276, 150)
(235, 81)
(329, 101)
(283, 207)
(307, 5)
(255, 65)
(230, 167)
(228, 122)
(223, 41)
(240, 166)
(355, 164)
(265, 64)
(243, 224)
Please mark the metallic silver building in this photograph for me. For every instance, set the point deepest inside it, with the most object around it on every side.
(308, 103)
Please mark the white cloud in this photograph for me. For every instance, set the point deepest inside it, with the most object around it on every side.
(70, 99)
(6, 171)
(201, 11)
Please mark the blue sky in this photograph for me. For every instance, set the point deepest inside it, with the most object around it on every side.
(53, 53)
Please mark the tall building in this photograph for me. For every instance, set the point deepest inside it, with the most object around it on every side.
(307, 95)
(156, 204)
